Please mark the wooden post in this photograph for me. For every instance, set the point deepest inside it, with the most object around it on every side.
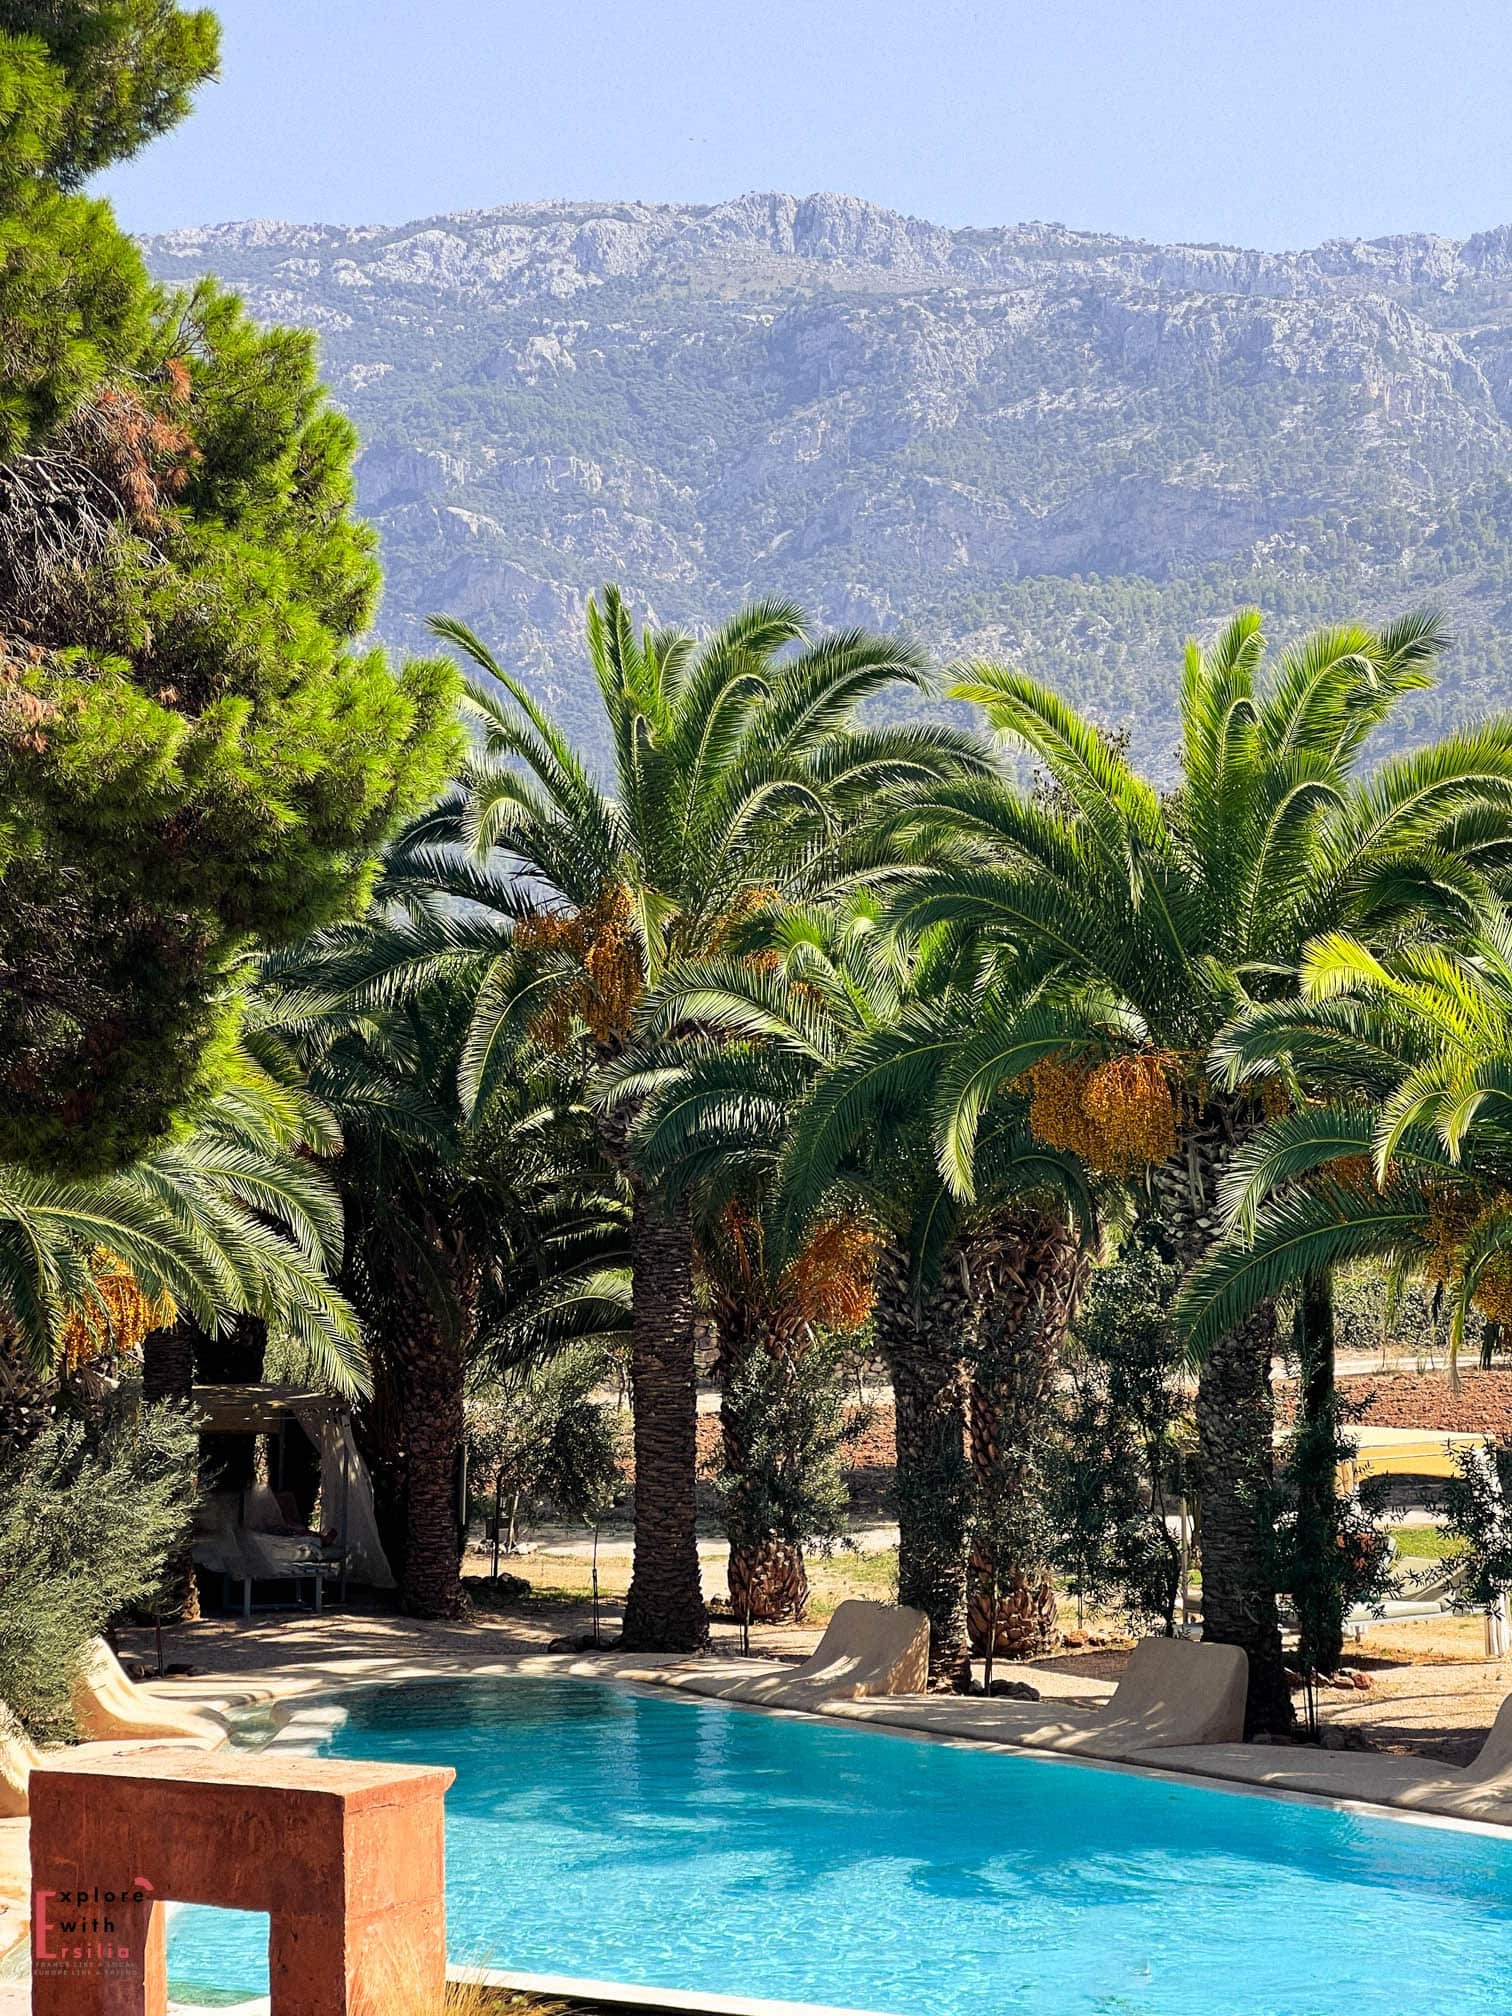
(1186, 1564)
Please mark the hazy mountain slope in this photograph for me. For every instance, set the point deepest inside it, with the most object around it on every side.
(1031, 441)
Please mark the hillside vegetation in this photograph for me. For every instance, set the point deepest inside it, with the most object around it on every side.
(1054, 445)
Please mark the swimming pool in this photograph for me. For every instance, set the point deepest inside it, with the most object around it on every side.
(614, 1835)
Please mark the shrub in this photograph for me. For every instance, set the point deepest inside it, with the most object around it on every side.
(1115, 1469)
(790, 1487)
(1477, 1511)
(538, 1438)
(90, 1515)
(1329, 1552)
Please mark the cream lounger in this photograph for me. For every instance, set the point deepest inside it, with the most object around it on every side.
(867, 1649)
(1481, 1790)
(1173, 1692)
(106, 1706)
(109, 1707)
(18, 1759)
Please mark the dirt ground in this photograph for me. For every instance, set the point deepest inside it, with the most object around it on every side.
(1481, 1403)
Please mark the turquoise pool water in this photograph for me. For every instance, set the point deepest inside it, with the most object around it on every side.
(600, 1833)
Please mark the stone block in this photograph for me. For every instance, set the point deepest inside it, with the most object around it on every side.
(346, 1857)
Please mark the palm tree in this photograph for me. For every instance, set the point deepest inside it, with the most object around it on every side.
(738, 767)
(808, 1078)
(231, 1217)
(1399, 1149)
(1030, 1266)
(1008, 1263)
(761, 1306)
(480, 1234)
(1130, 927)
(229, 1224)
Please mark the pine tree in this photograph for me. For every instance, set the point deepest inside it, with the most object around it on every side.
(196, 755)
(130, 68)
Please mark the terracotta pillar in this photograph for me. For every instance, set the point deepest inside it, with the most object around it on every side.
(347, 1859)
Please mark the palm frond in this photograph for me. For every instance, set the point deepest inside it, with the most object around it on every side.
(1306, 1232)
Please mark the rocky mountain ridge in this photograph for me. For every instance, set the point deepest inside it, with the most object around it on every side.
(564, 247)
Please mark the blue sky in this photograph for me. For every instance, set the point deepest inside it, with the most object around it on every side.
(1259, 122)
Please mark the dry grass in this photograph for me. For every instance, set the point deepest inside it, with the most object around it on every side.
(470, 1998)
(466, 1998)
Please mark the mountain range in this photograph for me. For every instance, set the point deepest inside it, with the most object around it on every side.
(1055, 446)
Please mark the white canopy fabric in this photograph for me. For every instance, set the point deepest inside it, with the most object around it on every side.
(345, 1483)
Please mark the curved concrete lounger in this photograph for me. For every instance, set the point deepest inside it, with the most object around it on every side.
(1481, 1790)
(108, 1717)
(19, 1757)
(867, 1649)
(1173, 1693)
(109, 1707)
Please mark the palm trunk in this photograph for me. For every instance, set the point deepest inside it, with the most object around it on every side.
(231, 1357)
(1318, 1486)
(168, 1374)
(1235, 1438)
(1028, 1273)
(768, 1582)
(1235, 1426)
(664, 1611)
(434, 1430)
(923, 1349)
(168, 1364)
(420, 1358)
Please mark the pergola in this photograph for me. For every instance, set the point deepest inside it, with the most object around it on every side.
(324, 1418)
(264, 1409)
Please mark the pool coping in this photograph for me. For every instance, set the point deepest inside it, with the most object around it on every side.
(285, 1714)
